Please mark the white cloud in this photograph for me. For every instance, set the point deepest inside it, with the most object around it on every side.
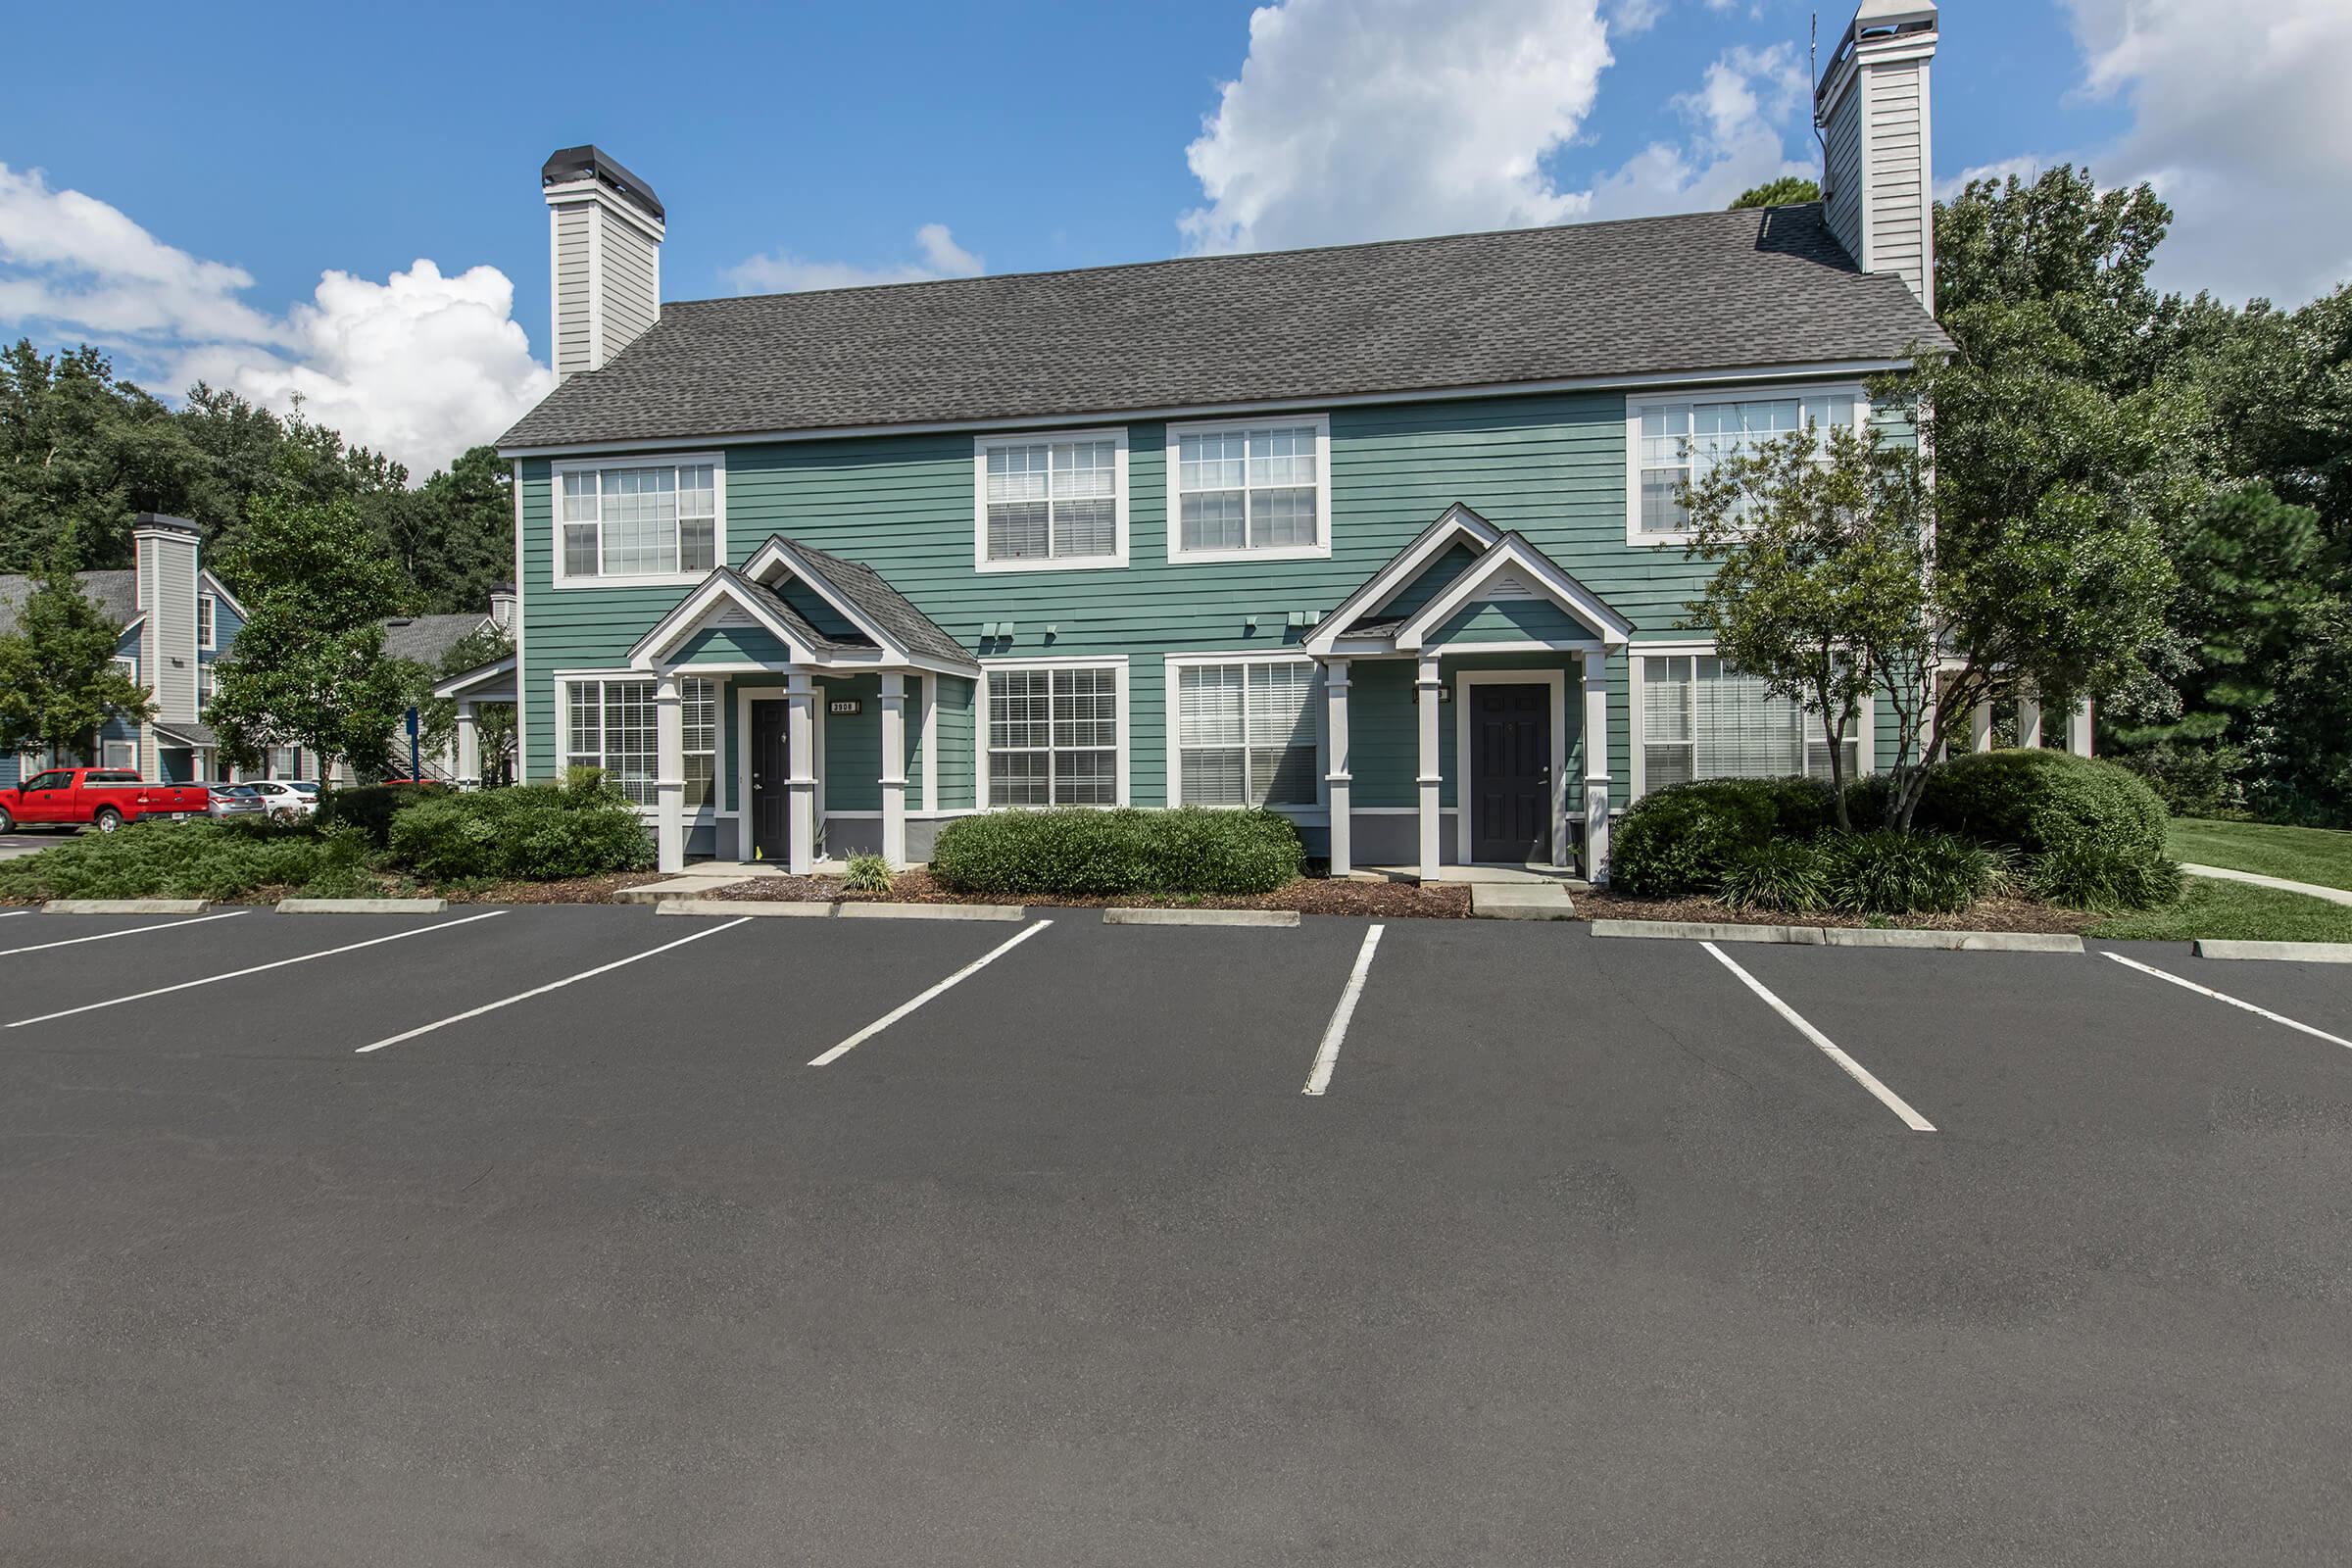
(1388, 118)
(1635, 16)
(2243, 120)
(1418, 117)
(786, 273)
(2026, 167)
(420, 367)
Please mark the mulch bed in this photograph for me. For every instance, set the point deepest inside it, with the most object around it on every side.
(1308, 896)
(576, 890)
(1998, 913)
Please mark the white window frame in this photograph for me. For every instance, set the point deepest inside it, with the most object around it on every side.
(1636, 406)
(1320, 549)
(130, 666)
(717, 463)
(1637, 767)
(695, 816)
(1318, 702)
(207, 684)
(208, 620)
(980, 715)
(983, 445)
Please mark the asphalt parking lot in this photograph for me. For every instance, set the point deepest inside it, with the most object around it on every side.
(1587, 1252)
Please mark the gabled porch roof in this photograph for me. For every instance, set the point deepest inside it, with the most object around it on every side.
(1506, 564)
(886, 629)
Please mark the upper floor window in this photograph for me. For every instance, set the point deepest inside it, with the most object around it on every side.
(639, 521)
(1049, 501)
(1674, 441)
(203, 621)
(1253, 491)
(131, 667)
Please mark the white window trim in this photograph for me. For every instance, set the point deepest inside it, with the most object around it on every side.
(130, 666)
(1555, 683)
(1320, 549)
(1115, 434)
(208, 623)
(1638, 785)
(1635, 408)
(980, 725)
(1173, 663)
(650, 812)
(649, 460)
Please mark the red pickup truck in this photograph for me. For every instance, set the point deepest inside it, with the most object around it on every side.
(104, 798)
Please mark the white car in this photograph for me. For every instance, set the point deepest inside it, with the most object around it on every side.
(285, 800)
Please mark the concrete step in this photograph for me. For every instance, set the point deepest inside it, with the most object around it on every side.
(1520, 900)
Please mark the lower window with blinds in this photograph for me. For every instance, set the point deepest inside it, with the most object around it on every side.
(1246, 734)
(1700, 718)
(615, 725)
(1054, 736)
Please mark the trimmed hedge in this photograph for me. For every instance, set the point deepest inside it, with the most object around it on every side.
(533, 833)
(1681, 840)
(370, 808)
(2039, 801)
(1080, 853)
(194, 860)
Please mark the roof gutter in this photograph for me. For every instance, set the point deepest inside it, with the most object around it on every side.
(1817, 370)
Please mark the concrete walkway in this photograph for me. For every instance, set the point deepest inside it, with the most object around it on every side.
(2308, 889)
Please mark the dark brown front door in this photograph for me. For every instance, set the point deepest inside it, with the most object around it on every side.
(1510, 774)
(771, 796)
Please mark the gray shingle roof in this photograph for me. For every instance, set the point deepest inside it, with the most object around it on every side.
(114, 592)
(885, 605)
(425, 638)
(186, 732)
(794, 621)
(1709, 291)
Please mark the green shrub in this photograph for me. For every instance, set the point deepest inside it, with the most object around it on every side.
(195, 860)
(1784, 875)
(2038, 801)
(1866, 800)
(1080, 853)
(370, 808)
(2092, 877)
(868, 874)
(1883, 872)
(1682, 839)
(535, 833)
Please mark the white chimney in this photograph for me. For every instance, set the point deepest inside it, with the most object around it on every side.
(1872, 107)
(502, 607)
(605, 229)
(165, 554)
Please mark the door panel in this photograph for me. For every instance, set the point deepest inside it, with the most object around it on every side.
(1510, 773)
(771, 796)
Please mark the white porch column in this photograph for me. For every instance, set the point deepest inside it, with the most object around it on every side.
(2077, 729)
(469, 746)
(669, 774)
(1337, 778)
(2029, 722)
(800, 740)
(1429, 776)
(1980, 727)
(1596, 766)
(894, 770)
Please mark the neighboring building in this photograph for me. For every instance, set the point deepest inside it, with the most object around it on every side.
(1381, 536)
(176, 619)
(426, 640)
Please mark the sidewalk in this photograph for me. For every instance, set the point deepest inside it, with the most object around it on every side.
(2310, 889)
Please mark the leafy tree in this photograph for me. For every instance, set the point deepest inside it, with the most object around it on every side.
(1821, 585)
(494, 722)
(455, 537)
(309, 667)
(59, 681)
(1786, 191)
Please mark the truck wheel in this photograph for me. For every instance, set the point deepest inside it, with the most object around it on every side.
(108, 819)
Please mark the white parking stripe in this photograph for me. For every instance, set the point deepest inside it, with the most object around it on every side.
(1853, 1069)
(2222, 995)
(127, 931)
(10, 913)
(552, 985)
(236, 974)
(905, 1007)
(1327, 1055)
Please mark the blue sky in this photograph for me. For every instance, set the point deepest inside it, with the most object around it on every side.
(229, 157)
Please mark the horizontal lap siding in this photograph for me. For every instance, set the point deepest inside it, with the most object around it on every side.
(955, 768)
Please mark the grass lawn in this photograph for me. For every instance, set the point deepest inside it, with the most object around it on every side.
(2300, 853)
(2233, 910)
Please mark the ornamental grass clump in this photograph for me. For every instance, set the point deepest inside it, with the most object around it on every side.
(1905, 873)
(1786, 874)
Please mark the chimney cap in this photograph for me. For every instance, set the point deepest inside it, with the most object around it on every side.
(590, 161)
(144, 520)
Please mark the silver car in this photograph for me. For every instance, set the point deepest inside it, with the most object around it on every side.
(235, 800)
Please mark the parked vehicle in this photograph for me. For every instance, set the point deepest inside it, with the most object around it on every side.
(285, 800)
(235, 800)
(103, 797)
